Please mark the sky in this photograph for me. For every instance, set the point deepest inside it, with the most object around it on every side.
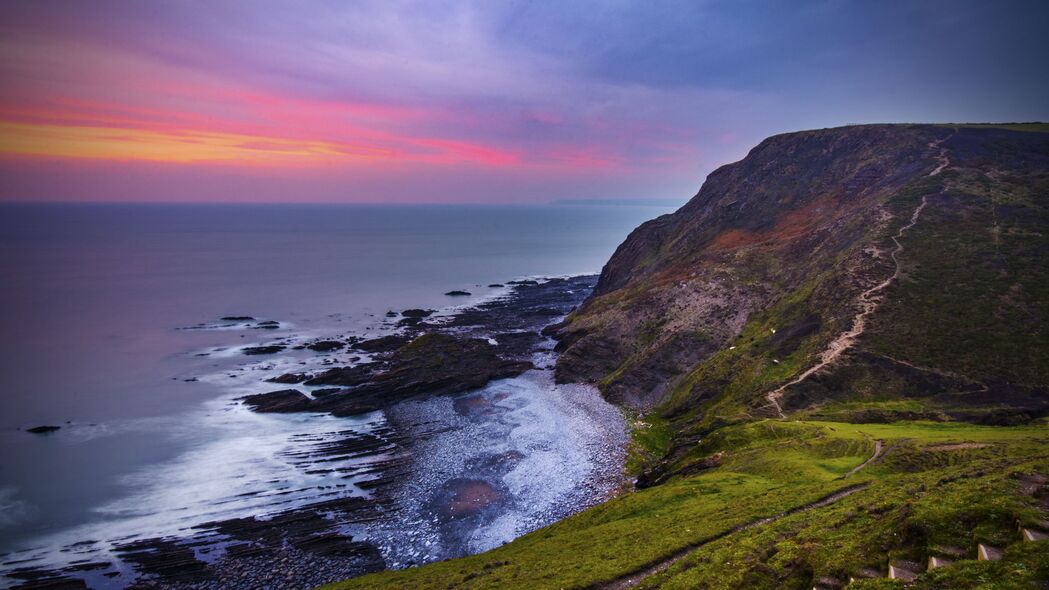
(475, 102)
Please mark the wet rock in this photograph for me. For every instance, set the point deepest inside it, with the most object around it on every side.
(458, 293)
(517, 343)
(165, 558)
(333, 544)
(43, 429)
(255, 350)
(417, 313)
(326, 345)
(48, 582)
(267, 325)
(432, 364)
(383, 344)
(281, 402)
(289, 378)
(529, 282)
(327, 391)
(237, 318)
(345, 376)
(88, 566)
(495, 285)
(391, 314)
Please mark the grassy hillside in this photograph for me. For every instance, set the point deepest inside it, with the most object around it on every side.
(935, 487)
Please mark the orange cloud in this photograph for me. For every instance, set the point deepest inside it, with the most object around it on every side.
(110, 143)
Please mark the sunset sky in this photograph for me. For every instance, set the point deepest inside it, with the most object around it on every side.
(481, 102)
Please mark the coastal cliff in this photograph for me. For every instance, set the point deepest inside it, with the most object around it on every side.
(901, 262)
(835, 362)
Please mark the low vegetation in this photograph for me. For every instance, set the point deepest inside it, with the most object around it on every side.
(936, 485)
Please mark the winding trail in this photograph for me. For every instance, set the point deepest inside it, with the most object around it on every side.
(634, 578)
(868, 300)
(873, 458)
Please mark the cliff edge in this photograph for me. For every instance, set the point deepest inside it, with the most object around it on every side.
(865, 274)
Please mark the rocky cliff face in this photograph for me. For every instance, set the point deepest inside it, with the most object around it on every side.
(858, 273)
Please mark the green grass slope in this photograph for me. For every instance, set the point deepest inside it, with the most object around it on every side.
(935, 485)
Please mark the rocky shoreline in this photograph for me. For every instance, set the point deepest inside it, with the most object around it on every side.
(435, 378)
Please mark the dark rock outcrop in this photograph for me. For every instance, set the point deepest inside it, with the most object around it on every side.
(432, 364)
(383, 344)
(282, 402)
(289, 378)
(345, 376)
(256, 350)
(326, 345)
(46, 429)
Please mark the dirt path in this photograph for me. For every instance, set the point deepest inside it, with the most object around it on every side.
(868, 301)
(634, 578)
(873, 458)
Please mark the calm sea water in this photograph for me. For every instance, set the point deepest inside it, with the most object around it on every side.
(95, 299)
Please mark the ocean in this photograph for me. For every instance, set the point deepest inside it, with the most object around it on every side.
(113, 331)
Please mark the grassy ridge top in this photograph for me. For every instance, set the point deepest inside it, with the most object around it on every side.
(1033, 126)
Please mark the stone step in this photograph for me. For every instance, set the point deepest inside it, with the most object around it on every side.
(866, 572)
(988, 553)
(936, 561)
(1033, 534)
(903, 570)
